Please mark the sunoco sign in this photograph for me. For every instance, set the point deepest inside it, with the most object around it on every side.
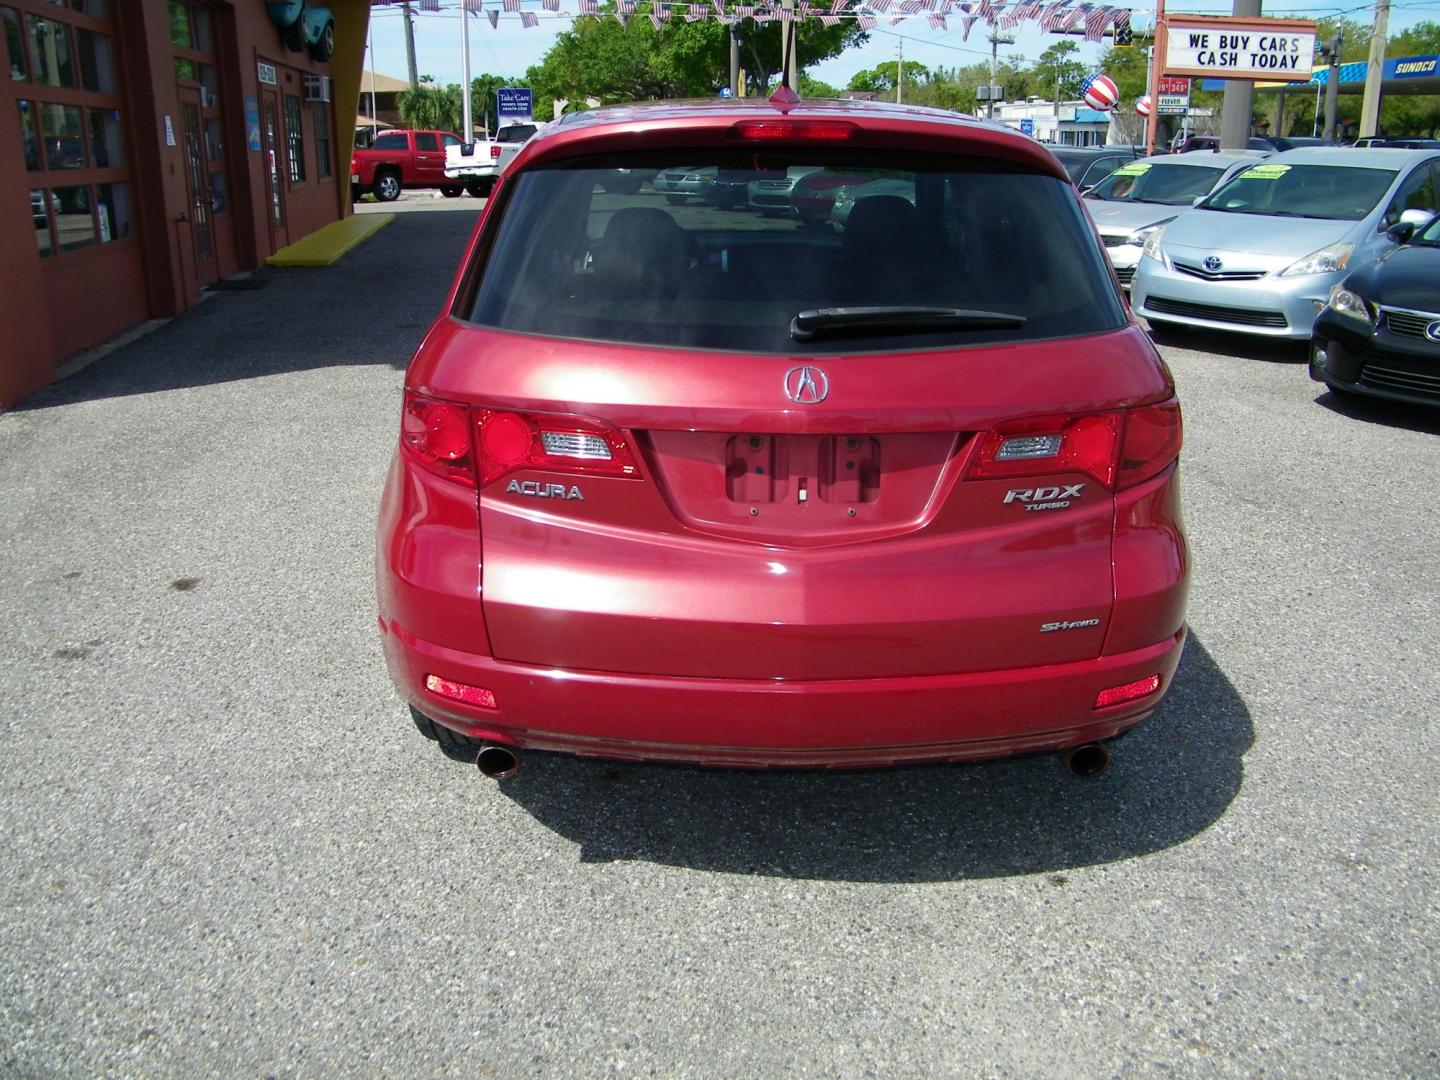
(1270, 49)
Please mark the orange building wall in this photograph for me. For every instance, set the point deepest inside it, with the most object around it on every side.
(56, 307)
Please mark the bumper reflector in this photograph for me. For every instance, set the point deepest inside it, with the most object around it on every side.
(1118, 695)
(470, 695)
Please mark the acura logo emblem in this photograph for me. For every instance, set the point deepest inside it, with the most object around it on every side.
(1433, 331)
(1213, 264)
(806, 385)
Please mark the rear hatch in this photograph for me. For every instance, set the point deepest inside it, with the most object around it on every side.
(718, 444)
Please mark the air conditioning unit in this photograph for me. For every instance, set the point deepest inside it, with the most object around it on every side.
(317, 87)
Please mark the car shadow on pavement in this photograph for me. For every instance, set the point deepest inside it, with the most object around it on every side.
(1169, 779)
(1238, 346)
(1394, 414)
(371, 307)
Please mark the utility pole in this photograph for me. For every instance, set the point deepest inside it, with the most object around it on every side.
(1332, 86)
(734, 62)
(996, 41)
(900, 73)
(466, 108)
(788, 43)
(410, 46)
(1239, 96)
(370, 55)
(1374, 71)
(1157, 68)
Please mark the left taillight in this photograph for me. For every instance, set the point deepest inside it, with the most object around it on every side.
(437, 436)
(509, 441)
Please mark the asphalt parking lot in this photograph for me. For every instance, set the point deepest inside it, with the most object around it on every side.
(227, 852)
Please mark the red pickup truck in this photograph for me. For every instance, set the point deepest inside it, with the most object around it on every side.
(403, 159)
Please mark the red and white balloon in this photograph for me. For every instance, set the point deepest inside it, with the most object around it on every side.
(1100, 92)
(1142, 105)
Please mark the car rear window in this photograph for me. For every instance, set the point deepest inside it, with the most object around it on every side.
(1277, 189)
(725, 253)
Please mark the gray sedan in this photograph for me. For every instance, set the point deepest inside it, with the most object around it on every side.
(1141, 196)
(1261, 253)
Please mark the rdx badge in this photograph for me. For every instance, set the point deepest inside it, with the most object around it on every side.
(1045, 498)
(537, 490)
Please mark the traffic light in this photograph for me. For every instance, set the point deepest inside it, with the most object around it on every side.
(1123, 38)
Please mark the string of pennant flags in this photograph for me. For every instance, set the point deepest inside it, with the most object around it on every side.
(1052, 16)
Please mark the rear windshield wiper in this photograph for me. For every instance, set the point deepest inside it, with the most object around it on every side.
(809, 324)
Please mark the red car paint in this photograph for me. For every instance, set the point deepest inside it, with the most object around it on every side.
(750, 580)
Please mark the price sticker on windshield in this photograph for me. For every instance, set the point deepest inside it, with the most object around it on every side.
(1266, 172)
(1135, 168)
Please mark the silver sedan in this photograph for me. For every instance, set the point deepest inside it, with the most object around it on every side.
(1261, 253)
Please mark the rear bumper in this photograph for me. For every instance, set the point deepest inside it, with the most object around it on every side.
(782, 723)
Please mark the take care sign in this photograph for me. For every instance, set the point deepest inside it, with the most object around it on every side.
(1276, 50)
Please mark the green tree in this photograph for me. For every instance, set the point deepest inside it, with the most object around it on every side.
(1412, 114)
(613, 62)
(1057, 74)
(882, 76)
(814, 88)
(431, 106)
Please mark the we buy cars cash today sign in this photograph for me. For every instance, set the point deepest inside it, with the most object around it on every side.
(1276, 50)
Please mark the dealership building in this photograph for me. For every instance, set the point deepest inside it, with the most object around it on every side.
(152, 148)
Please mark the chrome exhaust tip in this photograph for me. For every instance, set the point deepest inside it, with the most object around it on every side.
(497, 762)
(1088, 759)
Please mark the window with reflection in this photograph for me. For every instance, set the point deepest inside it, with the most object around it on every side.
(74, 220)
(97, 70)
(29, 137)
(14, 44)
(320, 111)
(50, 61)
(112, 211)
(106, 148)
(63, 134)
(40, 201)
(294, 138)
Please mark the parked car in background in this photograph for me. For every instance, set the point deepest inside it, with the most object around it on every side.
(1281, 143)
(479, 164)
(1262, 252)
(1141, 196)
(403, 159)
(681, 183)
(813, 196)
(1088, 165)
(771, 194)
(1379, 332)
(898, 186)
(1192, 143)
(1405, 143)
(783, 496)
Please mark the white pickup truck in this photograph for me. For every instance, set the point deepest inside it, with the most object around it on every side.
(480, 163)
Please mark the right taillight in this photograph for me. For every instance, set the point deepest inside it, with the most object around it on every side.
(1152, 441)
(1117, 449)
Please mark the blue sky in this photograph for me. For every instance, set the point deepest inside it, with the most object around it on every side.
(510, 49)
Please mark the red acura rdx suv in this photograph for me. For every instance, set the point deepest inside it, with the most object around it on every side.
(699, 484)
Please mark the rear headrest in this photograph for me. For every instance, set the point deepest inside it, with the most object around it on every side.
(644, 245)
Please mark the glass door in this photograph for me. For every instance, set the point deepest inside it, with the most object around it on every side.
(198, 182)
(274, 177)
